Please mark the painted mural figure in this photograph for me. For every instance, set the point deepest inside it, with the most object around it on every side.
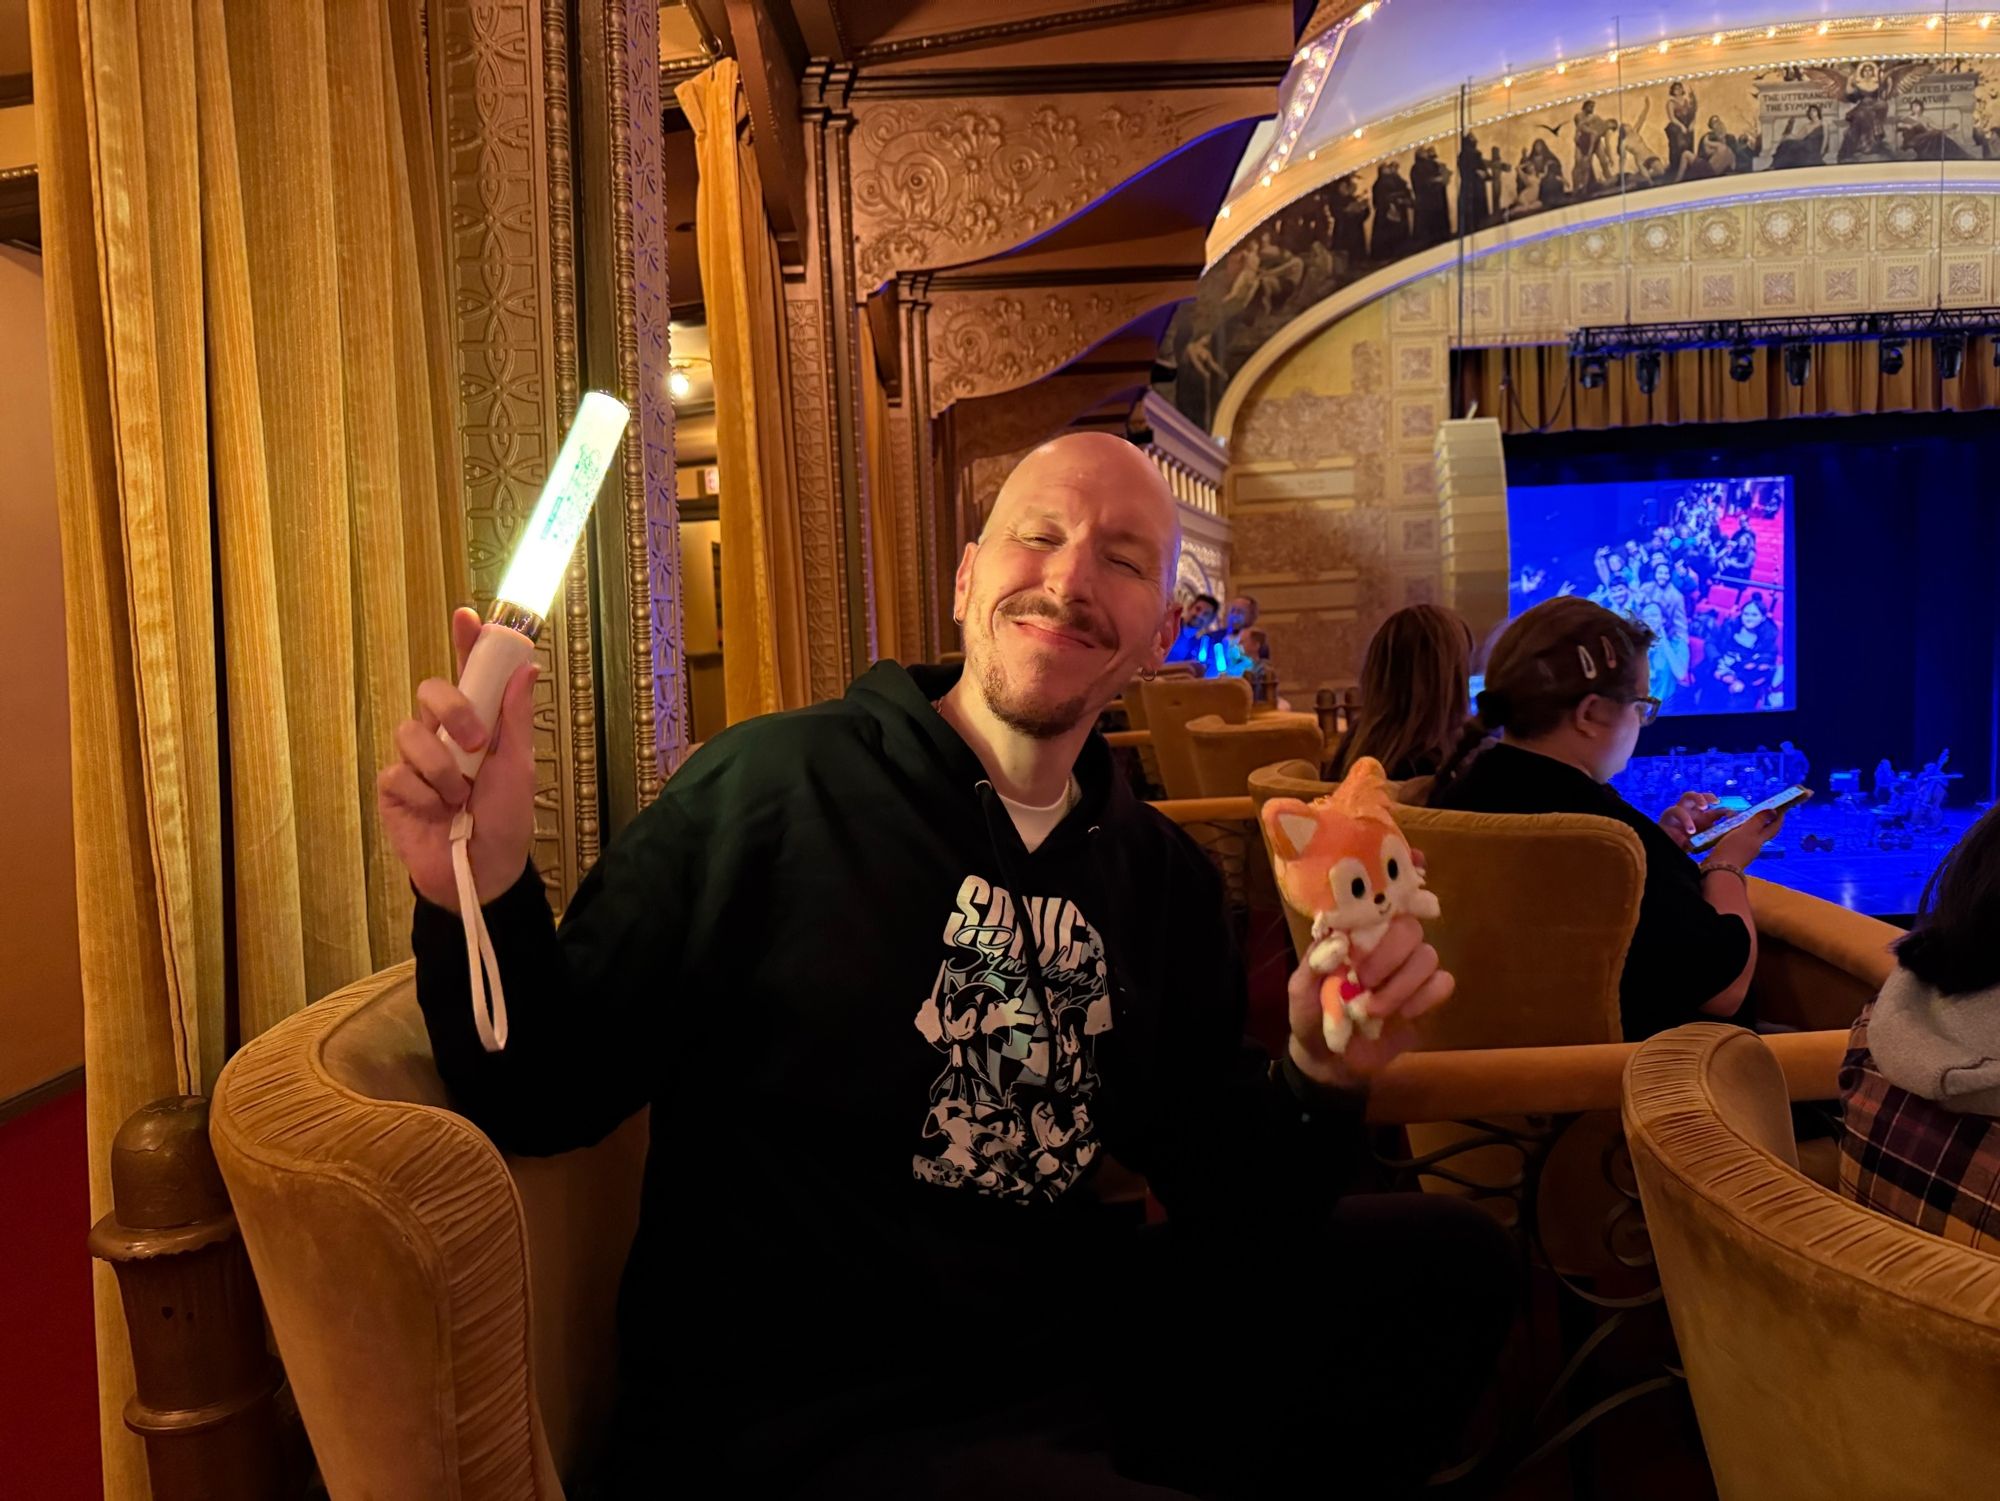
(1429, 183)
(1395, 214)
(1808, 147)
(1588, 141)
(1350, 226)
(1475, 205)
(1681, 107)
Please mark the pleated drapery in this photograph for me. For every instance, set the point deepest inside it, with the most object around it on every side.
(1536, 388)
(257, 471)
(763, 569)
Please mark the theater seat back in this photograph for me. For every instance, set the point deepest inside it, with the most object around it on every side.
(1832, 1353)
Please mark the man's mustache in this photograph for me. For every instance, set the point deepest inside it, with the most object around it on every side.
(1064, 617)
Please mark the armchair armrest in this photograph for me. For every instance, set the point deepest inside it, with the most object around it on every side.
(1817, 964)
(1444, 1086)
(1187, 810)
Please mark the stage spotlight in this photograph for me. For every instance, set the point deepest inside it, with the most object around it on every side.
(1646, 366)
(1798, 362)
(1742, 363)
(1892, 357)
(1950, 352)
(1590, 373)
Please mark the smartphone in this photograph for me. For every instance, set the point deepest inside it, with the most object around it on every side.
(1791, 797)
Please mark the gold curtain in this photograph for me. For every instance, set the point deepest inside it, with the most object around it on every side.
(885, 489)
(763, 571)
(1536, 389)
(257, 470)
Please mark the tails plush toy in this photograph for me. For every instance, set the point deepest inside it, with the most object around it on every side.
(1341, 860)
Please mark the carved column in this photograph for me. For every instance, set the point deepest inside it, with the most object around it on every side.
(823, 326)
(500, 74)
(925, 572)
(624, 280)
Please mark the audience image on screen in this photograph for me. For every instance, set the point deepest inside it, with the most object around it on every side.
(1699, 579)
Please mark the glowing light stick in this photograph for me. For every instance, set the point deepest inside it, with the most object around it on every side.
(535, 573)
(507, 641)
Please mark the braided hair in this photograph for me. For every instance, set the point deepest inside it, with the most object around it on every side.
(1547, 662)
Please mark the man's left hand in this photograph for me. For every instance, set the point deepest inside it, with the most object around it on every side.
(1402, 975)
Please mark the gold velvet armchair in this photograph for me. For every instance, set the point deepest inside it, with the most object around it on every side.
(444, 1313)
(1832, 1353)
(1167, 706)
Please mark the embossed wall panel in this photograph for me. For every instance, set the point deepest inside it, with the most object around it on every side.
(946, 182)
(988, 341)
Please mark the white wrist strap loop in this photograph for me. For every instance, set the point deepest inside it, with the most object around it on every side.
(481, 965)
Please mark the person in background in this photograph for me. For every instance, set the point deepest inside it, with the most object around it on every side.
(1920, 1086)
(1227, 656)
(1566, 696)
(1413, 687)
(1748, 660)
(1615, 596)
(1667, 657)
(1197, 621)
(1659, 590)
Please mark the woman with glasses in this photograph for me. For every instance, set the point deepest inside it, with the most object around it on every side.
(1564, 702)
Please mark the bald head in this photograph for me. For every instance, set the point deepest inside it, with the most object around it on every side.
(1109, 469)
(1068, 590)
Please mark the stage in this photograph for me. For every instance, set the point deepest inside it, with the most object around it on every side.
(1857, 872)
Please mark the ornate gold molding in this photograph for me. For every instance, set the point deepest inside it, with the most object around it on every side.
(947, 182)
(586, 801)
(819, 502)
(652, 509)
(491, 77)
(983, 342)
(638, 540)
(1065, 20)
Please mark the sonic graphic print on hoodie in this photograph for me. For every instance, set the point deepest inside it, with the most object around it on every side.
(1011, 1113)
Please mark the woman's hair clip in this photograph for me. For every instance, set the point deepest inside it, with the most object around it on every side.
(1587, 662)
(1610, 652)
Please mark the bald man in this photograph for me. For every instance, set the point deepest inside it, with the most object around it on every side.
(898, 976)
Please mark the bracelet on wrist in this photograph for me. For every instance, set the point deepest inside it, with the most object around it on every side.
(1714, 867)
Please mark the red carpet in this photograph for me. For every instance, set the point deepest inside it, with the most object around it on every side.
(48, 1361)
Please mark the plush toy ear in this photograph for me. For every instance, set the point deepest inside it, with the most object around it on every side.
(1290, 826)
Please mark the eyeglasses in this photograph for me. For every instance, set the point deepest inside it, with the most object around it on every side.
(1648, 707)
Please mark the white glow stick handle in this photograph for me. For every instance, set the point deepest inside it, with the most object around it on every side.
(489, 667)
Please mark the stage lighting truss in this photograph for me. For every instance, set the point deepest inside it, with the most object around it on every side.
(1950, 331)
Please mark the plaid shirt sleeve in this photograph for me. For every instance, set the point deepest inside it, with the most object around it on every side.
(1911, 1159)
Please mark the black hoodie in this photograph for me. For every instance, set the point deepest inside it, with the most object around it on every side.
(876, 1110)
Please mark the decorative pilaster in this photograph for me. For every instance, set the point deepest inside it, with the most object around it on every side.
(824, 330)
(625, 351)
(499, 72)
(917, 540)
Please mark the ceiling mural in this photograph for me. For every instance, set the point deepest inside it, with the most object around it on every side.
(1783, 118)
